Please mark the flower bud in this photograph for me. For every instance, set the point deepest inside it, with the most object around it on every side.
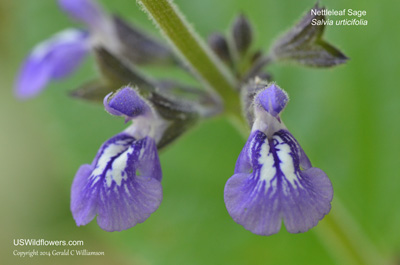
(219, 45)
(242, 34)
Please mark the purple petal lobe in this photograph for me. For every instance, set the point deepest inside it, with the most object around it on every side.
(276, 189)
(273, 99)
(126, 102)
(251, 208)
(55, 58)
(86, 11)
(83, 212)
(243, 164)
(122, 186)
(303, 209)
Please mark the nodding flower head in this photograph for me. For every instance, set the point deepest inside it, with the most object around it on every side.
(274, 179)
(122, 186)
(54, 58)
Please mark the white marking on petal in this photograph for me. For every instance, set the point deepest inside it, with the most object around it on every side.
(63, 37)
(109, 153)
(109, 178)
(127, 190)
(141, 153)
(118, 167)
(273, 186)
(266, 160)
(285, 155)
(95, 179)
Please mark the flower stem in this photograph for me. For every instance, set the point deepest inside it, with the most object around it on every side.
(345, 240)
(193, 51)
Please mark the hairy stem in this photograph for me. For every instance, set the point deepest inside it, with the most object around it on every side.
(193, 51)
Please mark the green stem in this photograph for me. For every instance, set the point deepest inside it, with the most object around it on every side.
(338, 231)
(193, 51)
(344, 239)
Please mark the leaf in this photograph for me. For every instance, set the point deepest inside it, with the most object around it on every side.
(304, 44)
(139, 47)
(176, 129)
(219, 45)
(117, 73)
(242, 34)
(181, 114)
(94, 91)
(171, 108)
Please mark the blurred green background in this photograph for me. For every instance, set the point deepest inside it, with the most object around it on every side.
(346, 118)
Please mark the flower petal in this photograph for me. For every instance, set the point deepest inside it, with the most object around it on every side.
(83, 208)
(122, 186)
(125, 102)
(273, 99)
(139, 47)
(304, 206)
(129, 204)
(86, 11)
(55, 58)
(243, 164)
(251, 208)
(276, 188)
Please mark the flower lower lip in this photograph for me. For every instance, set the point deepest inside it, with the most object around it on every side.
(276, 189)
(111, 187)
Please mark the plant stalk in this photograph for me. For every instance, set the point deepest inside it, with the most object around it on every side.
(193, 51)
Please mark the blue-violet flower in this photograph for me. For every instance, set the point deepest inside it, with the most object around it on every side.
(63, 53)
(122, 186)
(273, 178)
(54, 58)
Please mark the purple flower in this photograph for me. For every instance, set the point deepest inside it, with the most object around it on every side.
(122, 186)
(55, 58)
(59, 56)
(86, 11)
(63, 53)
(100, 24)
(274, 179)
